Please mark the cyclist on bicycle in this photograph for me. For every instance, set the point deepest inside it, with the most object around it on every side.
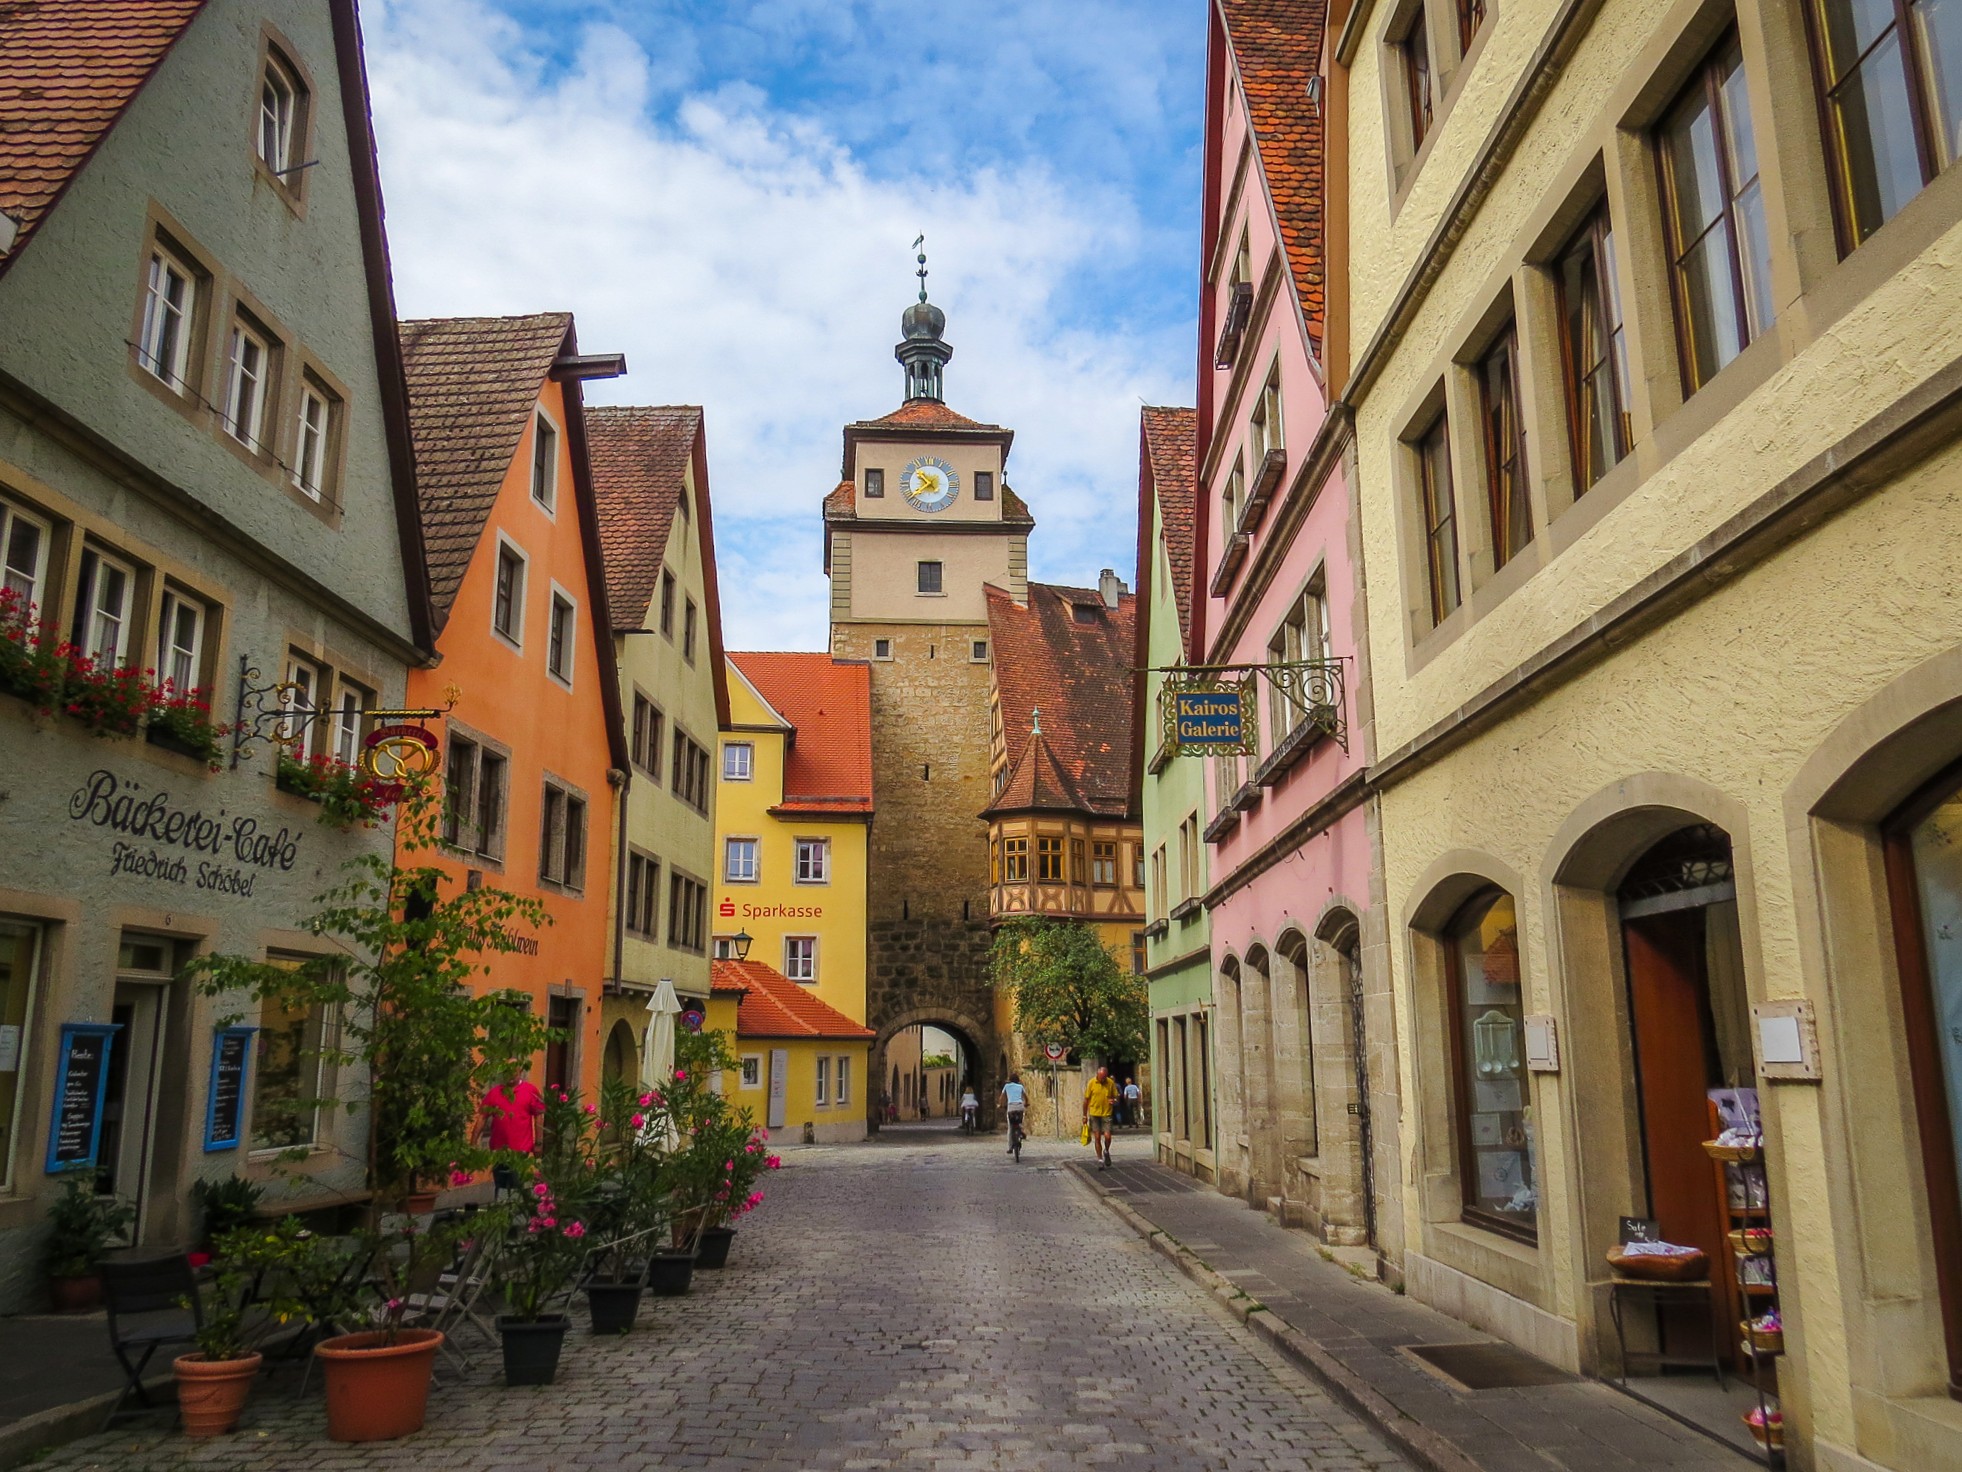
(970, 1109)
(1014, 1099)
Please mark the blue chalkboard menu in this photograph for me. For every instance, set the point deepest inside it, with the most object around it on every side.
(224, 1110)
(81, 1072)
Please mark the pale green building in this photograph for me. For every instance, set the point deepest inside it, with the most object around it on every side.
(1178, 960)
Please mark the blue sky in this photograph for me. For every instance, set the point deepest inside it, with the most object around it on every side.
(728, 192)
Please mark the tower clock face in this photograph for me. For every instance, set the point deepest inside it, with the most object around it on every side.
(929, 484)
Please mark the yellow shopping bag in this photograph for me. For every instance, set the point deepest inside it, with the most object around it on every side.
(1084, 1138)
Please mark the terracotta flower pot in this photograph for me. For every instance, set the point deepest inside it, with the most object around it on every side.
(75, 1295)
(377, 1391)
(211, 1393)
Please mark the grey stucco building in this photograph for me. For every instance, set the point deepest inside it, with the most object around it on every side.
(204, 469)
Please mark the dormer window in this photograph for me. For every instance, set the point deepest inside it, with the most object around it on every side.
(1085, 613)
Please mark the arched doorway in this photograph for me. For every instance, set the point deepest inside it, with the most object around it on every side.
(904, 1058)
(621, 1059)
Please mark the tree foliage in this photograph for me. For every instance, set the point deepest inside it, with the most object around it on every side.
(1069, 988)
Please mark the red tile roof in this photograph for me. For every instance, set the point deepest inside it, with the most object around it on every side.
(774, 1006)
(68, 68)
(925, 414)
(640, 461)
(473, 382)
(1277, 47)
(1077, 673)
(829, 705)
(1170, 445)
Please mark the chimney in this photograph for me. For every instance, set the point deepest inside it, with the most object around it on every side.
(1111, 586)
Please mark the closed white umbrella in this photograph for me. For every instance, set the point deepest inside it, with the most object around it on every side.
(657, 1056)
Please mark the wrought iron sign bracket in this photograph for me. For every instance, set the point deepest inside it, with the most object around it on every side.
(271, 714)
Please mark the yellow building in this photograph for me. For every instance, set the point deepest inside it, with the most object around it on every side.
(793, 813)
(802, 1064)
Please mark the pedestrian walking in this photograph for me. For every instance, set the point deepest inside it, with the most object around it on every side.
(1133, 1103)
(1099, 1104)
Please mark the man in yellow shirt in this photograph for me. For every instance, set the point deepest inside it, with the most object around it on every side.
(1099, 1101)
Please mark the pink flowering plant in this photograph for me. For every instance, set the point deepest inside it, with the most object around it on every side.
(724, 1154)
(551, 1234)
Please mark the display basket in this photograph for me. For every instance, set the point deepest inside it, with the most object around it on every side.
(1751, 1242)
(1733, 1154)
(1650, 1267)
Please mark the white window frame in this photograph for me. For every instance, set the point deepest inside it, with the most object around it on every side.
(545, 490)
(351, 703)
(749, 873)
(562, 602)
(520, 589)
(88, 599)
(245, 413)
(172, 650)
(277, 125)
(751, 1074)
(791, 969)
(163, 347)
(313, 441)
(820, 873)
(12, 575)
(823, 1081)
(842, 1085)
(302, 672)
(747, 762)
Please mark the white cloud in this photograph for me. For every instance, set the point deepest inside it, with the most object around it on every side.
(744, 260)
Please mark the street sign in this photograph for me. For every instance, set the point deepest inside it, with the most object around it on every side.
(1209, 717)
(1055, 1052)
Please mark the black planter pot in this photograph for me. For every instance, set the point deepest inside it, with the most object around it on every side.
(613, 1305)
(669, 1273)
(531, 1348)
(712, 1247)
(170, 741)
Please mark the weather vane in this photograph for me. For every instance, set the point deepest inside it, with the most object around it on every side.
(921, 258)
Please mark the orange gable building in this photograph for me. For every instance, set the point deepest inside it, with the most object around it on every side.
(535, 744)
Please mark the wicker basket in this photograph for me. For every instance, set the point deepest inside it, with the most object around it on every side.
(1764, 1341)
(1687, 1267)
(1751, 1242)
(1735, 1154)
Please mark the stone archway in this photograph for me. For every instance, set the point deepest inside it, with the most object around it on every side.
(978, 1052)
(621, 1059)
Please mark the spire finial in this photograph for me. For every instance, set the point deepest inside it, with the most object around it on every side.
(919, 241)
(1035, 720)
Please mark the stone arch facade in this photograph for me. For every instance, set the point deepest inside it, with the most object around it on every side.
(1230, 1137)
(978, 1049)
(1887, 749)
(1587, 994)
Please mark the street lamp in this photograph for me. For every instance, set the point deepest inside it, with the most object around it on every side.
(742, 943)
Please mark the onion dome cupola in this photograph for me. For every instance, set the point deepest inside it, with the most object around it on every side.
(922, 352)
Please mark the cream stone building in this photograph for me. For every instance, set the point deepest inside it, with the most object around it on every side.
(650, 483)
(1648, 331)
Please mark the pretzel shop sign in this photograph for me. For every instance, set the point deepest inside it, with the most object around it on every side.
(153, 836)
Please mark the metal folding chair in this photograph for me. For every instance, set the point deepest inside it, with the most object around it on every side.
(147, 1312)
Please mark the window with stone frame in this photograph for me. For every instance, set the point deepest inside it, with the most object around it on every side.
(644, 747)
(1593, 352)
(739, 860)
(1491, 1087)
(562, 838)
(800, 958)
(1438, 506)
(687, 912)
(544, 462)
(167, 345)
(643, 894)
(1413, 50)
(667, 603)
(1503, 436)
(812, 861)
(474, 798)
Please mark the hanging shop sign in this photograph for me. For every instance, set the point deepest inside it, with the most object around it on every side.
(81, 1075)
(1209, 717)
(224, 1110)
(398, 753)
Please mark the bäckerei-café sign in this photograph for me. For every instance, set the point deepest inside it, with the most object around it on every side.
(158, 838)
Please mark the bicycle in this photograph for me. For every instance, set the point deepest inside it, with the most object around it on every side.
(1015, 1133)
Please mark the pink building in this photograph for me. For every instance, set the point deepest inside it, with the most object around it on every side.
(1303, 1036)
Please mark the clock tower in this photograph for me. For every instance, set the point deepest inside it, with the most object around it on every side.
(920, 524)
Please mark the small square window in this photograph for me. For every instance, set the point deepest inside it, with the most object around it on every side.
(930, 577)
(882, 649)
(875, 485)
(738, 759)
(977, 651)
(984, 485)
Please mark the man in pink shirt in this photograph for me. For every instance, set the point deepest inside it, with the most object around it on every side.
(510, 1123)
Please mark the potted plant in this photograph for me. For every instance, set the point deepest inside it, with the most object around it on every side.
(348, 796)
(223, 1207)
(82, 1226)
(629, 1214)
(29, 665)
(180, 721)
(544, 1251)
(744, 1168)
(215, 1381)
(417, 1044)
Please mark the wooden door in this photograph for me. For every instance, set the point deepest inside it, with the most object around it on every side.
(1675, 1049)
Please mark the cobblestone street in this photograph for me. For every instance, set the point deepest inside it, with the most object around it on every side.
(917, 1303)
